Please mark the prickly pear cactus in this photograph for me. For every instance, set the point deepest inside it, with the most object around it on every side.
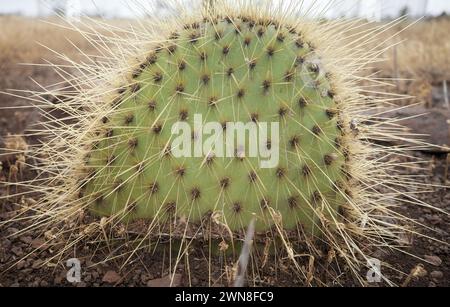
(225, 69)
(136, 155)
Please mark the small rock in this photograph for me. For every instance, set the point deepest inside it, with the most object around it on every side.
(36, 264)
(20, 265)
(58, 280)
(111, 277)
(165, 281)
(436, 275)
(4, 215)
(6, 243)
(434, 219)
(87, 278)
(12, 230)
(441, 232)
(17, 251)
(26, 239)
(380, 254)
(434, 260)
(195, 281)
(39, 243)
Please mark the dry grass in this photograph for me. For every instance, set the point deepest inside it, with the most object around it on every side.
(25, 41)
(420, 59)
(424, 51)
(20, 41)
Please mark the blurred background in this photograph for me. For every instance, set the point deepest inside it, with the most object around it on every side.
(376, 9)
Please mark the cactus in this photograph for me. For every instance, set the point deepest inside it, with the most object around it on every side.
(226, 69)
(116, 164)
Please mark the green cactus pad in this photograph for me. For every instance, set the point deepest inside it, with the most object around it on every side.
(228, 70)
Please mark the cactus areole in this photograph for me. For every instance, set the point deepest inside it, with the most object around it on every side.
(224, 70)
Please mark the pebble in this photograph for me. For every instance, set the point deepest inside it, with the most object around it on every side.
(380, 254)
(436, 275)
(20, 265)
(165, 281)
(6, 243)
(38, 243)
(58, 280)
(111, 277)
(87, 278)
(195, 281)
(37, 264)
(434, 260)
(17, 251)
(434, 219)
(426, 210)
(26, 239)
(12, 230)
